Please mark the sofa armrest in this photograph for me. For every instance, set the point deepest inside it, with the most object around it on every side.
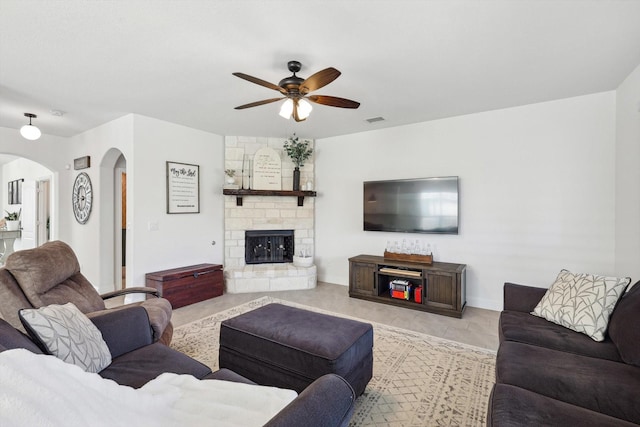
(326, 402)
(522, 298)
(134, 290)
(159, 311)
(123, 329)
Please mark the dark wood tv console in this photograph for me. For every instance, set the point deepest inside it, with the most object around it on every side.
(441, 285)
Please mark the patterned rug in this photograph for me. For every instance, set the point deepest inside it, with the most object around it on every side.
(418, 379)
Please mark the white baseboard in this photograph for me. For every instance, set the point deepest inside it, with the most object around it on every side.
(487, 304)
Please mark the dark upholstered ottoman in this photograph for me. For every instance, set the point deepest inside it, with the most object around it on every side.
(289, 347)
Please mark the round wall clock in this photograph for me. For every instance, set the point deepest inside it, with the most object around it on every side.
(82, 197)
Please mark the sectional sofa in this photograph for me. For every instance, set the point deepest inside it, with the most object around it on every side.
(548, 375)
(137, 359)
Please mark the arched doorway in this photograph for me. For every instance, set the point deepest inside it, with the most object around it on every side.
(27, 189)
(113, 224)
(120, 177)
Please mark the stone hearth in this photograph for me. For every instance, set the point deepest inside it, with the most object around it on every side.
(270, 277)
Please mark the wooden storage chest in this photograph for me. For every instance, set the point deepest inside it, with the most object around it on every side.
(187, 285)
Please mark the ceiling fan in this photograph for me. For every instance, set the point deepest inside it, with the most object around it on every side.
(296, 91)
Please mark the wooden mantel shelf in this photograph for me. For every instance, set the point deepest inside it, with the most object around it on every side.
(239, 193)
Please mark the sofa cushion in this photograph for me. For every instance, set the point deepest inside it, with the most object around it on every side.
(138, 367)
(521, 297)
(525, 328)
(515, 406)
(10, 338)
(124, 328)
(12, 299)
(596, 384)
(624, 326)
(67, 334)
(582, 302)
(34, 266)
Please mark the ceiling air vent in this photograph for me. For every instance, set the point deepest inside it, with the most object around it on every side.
(375, 119)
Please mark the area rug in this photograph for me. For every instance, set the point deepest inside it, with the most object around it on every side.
(418, 379)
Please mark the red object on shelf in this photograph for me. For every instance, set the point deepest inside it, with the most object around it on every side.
(400, 289)
(417, 296)
(398, 294)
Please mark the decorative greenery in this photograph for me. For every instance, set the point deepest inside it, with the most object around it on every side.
(230, 172)
(297, 150)
(13, 216)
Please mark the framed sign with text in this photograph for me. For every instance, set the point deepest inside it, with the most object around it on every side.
(183, 188)
(82, 163)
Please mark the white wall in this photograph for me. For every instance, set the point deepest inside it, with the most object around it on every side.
(536, 192)
(94, 241)
(146, 145)
(181, 239)
(628, 176)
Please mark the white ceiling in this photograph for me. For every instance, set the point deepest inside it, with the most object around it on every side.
(406, 61)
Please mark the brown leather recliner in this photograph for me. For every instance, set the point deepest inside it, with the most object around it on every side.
(50, 274)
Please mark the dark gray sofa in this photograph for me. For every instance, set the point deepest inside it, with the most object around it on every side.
(552, 376)
(137, 359)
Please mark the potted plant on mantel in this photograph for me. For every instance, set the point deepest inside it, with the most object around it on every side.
(299, 152)
(13, 220)
(230, 173)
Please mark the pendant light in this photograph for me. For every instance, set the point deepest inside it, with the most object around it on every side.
(30, 131)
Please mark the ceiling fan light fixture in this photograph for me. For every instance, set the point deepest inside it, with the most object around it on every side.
(296, 90)
(287, 109)
(30, 131)
(304, 109)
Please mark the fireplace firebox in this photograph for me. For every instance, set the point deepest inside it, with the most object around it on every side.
(268, 246)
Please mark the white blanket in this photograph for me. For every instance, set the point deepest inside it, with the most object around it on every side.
(38, 390)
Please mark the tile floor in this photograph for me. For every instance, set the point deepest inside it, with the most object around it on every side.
(477, 327)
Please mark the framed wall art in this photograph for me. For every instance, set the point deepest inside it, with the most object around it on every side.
(14, 192)
(82, 163)
(183, 188)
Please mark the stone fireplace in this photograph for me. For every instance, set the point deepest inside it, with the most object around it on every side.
(259, 217)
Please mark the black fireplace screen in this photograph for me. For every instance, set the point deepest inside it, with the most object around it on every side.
(268, 246)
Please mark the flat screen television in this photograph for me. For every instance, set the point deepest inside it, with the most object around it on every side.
(423, 205)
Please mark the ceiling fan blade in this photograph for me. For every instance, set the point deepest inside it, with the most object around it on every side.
(260, 82)
(255, 104)
(333, 101)
(318, 80)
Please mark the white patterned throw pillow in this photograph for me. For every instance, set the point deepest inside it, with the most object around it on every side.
(582, 302)
(68, 334)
